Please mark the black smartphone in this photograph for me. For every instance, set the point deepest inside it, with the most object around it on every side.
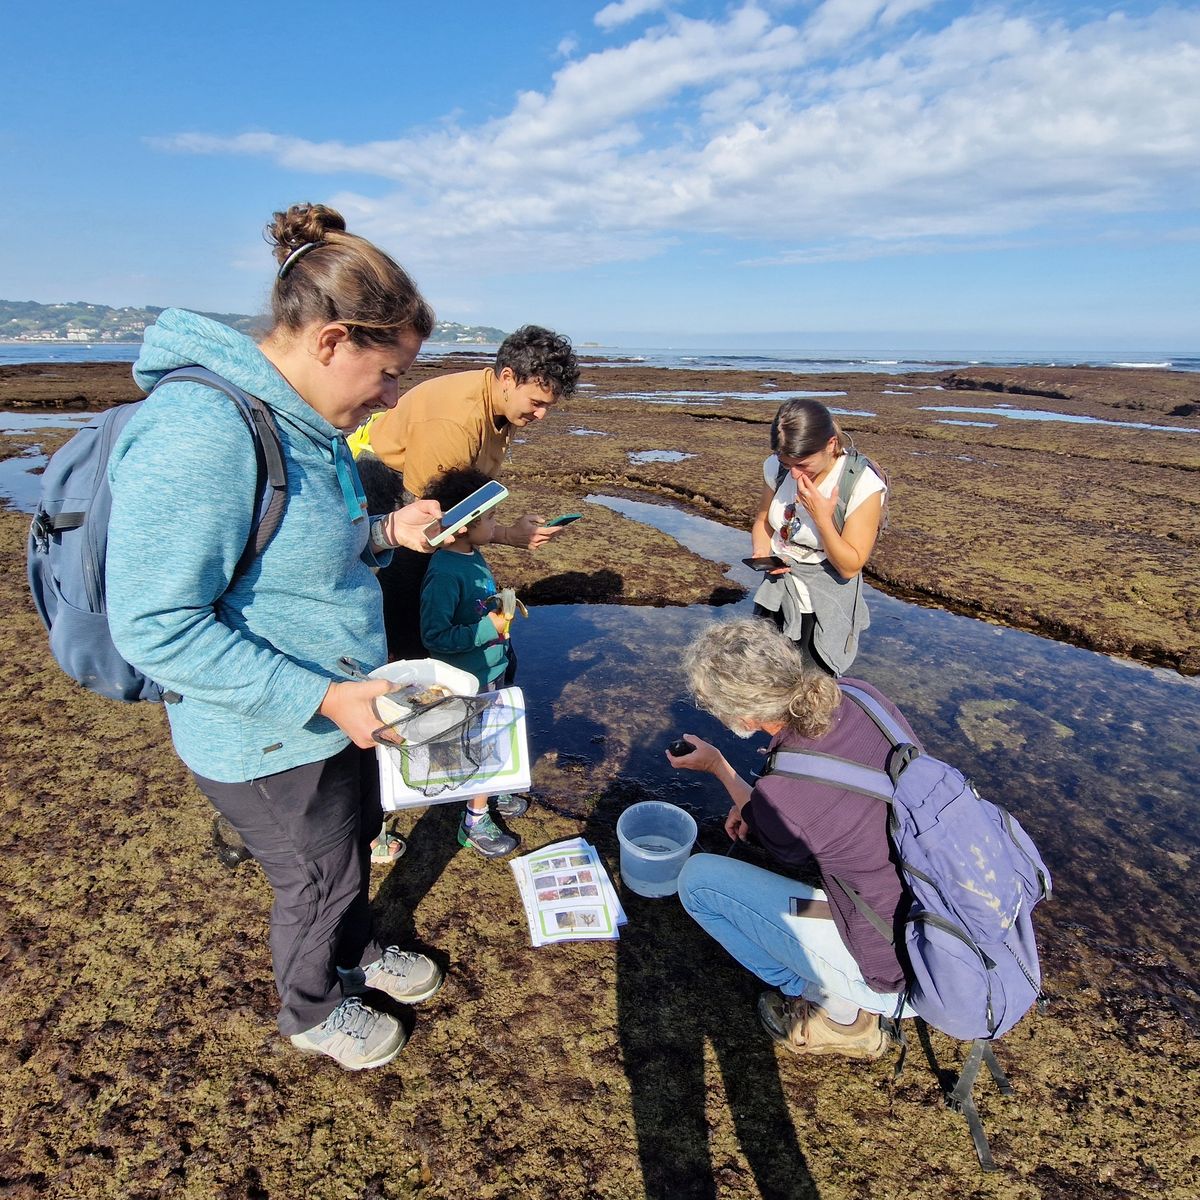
(465, 511)
(565, 519)
(768, 562)
(679, 748)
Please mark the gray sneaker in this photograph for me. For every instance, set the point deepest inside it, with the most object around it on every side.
(354, 1036)
(508, 805)
(486, 837)
(405, 975)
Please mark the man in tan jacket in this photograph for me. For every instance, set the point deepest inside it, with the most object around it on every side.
(465, 419)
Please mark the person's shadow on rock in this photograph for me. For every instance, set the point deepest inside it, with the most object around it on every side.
(575, 587)
(432, 843)
(678, 993)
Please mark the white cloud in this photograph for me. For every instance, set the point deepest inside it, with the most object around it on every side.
(804, 138)
(623, 11)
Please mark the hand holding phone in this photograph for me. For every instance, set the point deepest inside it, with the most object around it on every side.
(680, 747)
(465, 511)
(765, 563)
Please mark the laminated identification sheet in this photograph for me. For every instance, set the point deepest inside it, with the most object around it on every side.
(492, 758)
(567, 893)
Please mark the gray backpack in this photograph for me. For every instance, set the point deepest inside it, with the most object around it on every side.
(856, 464)
(68, 539)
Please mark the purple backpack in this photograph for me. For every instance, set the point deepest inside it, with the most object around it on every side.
(972, 877)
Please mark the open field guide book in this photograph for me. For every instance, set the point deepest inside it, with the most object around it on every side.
(567, 893)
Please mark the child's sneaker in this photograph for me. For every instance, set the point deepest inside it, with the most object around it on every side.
(486, 837)
(509, 805)
(354, 1036)
(405, 975)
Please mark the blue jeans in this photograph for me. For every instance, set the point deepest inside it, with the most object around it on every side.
(747, 910)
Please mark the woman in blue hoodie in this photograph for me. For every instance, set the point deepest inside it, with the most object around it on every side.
(274, 733)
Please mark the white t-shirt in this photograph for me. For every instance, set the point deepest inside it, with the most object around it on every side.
(794, 537)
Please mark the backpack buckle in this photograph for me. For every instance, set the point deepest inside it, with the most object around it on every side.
(40, 530)
(768, 764)
(899, 759)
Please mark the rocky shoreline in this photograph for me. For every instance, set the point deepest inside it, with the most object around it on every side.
(138, 1039)
(1085, 531)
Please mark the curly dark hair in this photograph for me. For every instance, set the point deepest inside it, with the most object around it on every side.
(384, 487)
(536, 353)
(454, 485)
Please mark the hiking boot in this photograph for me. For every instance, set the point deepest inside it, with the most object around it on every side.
(487, 837)
(354, 1036)
(508, 805)
(405, 975)
(803, 1028)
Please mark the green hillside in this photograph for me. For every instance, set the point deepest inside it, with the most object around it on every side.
(78, 321)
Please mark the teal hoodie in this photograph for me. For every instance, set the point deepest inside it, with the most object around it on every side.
(455, 626)
(252, 660)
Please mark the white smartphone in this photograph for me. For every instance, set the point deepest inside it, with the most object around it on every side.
(465, 511)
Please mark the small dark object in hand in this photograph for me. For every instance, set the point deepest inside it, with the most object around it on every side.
(228, 845)
(679, 748)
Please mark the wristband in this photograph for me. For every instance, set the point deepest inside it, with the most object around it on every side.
(378, 539)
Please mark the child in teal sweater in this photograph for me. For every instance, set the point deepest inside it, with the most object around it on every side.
(459, 627)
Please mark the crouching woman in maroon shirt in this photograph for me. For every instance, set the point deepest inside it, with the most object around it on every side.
(832, 973)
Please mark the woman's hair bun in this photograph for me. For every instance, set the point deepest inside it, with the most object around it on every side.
(326, 274)
(301, 225)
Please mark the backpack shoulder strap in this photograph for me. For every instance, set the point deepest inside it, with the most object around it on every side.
(888, 725)
(902, 745)
(826, 768)
(268, 449)
(857, 464)
(851, 473)
(854, 777)
(869, 914)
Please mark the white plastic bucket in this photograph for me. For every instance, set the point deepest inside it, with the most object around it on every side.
(421, 671)
(656, 839)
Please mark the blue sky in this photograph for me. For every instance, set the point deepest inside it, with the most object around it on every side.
(1002, 174)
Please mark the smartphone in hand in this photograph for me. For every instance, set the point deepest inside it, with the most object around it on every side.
(565, 519)
(465, 511)
(767, 562)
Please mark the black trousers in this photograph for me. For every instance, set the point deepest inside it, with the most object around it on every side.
(805, 643)
(310, 829)
(401, 582)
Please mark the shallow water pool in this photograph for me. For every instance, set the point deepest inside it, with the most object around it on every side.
(1096, 755)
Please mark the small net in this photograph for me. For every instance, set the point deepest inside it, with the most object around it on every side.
(452, 742)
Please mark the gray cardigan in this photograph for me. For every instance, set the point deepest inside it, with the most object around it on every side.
(838, 605)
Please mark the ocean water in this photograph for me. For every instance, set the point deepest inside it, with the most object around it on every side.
(882, 361)
(873, 360)
(1095, 755)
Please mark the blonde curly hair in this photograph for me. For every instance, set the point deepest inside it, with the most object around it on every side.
(747, 670)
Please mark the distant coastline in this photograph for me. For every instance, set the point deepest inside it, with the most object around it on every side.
(764, 363)
(80, 323)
